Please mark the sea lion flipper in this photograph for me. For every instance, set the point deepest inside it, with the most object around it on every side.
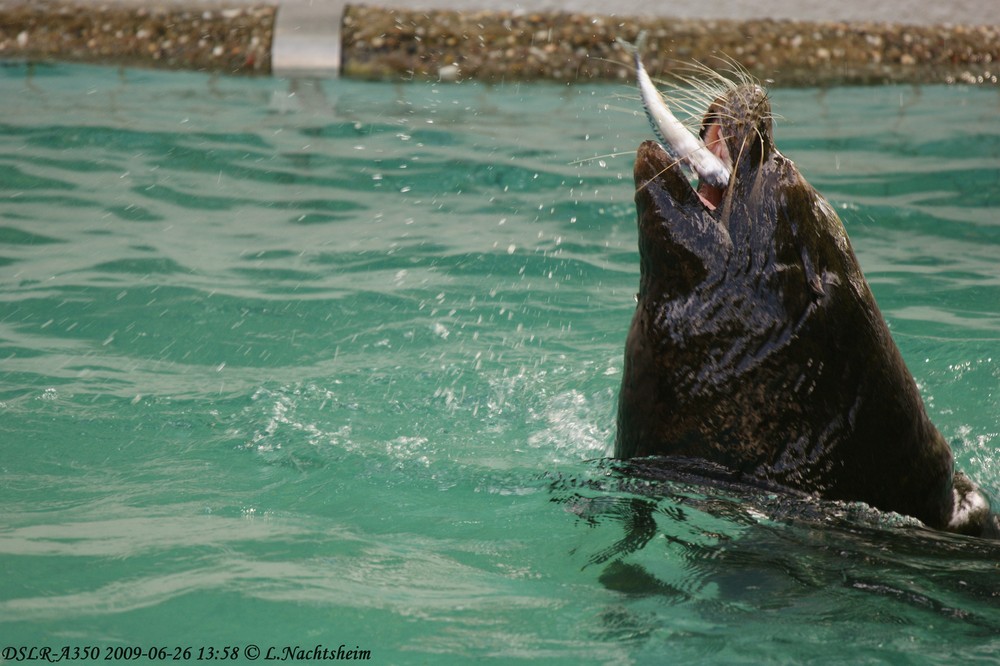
(971, 513)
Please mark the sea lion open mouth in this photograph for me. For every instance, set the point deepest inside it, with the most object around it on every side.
(726, 122)
(756, 342)
(711, 134)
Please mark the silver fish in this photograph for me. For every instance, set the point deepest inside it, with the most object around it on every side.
(673, 136)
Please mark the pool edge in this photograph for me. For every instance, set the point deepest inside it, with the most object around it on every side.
(307, 39)
(330, 39)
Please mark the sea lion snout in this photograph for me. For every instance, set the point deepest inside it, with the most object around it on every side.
(681, 243)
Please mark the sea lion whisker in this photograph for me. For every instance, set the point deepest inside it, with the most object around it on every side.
(717, 78)
(621, 95)
(761, 102)
(621, 109)
(692, 101)
(668, 167)
(694, 84)
(698, 113)
(612, 61)
(719, 115)
(741, 76)
(693, 106)
(712, 88)
(698, 95)
(601, 157)
(692, 119)
(699, 68)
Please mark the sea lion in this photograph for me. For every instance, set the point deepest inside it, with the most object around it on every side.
(757, 344)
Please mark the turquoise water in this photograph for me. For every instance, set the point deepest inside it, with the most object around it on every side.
(293, 365)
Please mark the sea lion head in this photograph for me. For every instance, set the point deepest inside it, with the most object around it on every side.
(757, 343)
(767, 215)
(732, 277)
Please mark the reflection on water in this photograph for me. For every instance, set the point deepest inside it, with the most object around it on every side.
(689, 535)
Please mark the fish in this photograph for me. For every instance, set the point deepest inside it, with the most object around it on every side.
(679, 143)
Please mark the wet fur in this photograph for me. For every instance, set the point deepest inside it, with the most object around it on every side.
(757, 343)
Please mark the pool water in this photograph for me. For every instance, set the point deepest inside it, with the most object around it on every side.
(286, 363)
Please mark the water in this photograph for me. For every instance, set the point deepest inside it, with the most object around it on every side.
(286, 365)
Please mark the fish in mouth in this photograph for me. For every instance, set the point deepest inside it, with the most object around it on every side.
(756, 343)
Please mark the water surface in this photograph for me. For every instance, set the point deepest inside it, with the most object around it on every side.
(293, 364)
